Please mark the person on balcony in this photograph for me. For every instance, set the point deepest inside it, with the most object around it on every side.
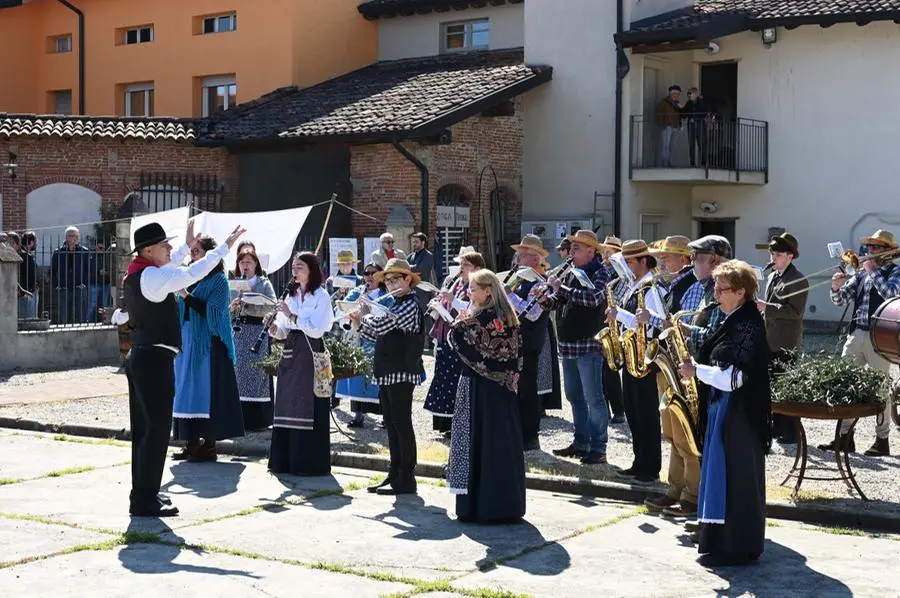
(668, 119)
(698, 115)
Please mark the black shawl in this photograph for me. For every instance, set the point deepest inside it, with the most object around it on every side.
(488, 347)
(741, 342)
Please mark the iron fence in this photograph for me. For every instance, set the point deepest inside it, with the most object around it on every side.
(68, 280)
(737, 144)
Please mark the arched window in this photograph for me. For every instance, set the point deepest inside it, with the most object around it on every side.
(451, 238)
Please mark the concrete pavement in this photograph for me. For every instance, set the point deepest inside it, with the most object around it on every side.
(64, 531)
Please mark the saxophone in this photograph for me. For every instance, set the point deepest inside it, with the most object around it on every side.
(610, 337)
(682, 396)
(639, 351)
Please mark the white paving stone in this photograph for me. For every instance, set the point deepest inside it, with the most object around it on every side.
(28, 539)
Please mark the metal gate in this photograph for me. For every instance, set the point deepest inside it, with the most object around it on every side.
(160, 191)
(451, 238)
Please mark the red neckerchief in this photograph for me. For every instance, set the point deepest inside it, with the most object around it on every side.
(136, 265)
(389, 254)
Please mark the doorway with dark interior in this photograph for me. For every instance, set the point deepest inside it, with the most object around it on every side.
(724, 227)
(719, 85)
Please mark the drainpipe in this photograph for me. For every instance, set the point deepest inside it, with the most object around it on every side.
(80, 14)
(621, 71)
(424, 172)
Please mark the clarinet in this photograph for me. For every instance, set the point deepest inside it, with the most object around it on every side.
(561, 271)
(236, 317)
(268, 322)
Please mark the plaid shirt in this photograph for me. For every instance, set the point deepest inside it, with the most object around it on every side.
(595, 298)
(693, 297)
(699, 334)
(404, 316)
(886, 286)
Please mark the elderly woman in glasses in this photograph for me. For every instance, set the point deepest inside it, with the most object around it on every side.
(733, 364)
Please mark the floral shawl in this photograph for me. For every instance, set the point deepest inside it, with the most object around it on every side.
(488, 347)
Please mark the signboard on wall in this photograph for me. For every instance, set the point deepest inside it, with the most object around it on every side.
(452, 217)
(370, 245)
(336, 244)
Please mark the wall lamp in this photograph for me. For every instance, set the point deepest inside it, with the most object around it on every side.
(11, 166)
(769, 36)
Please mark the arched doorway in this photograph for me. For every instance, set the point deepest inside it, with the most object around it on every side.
(503, 226)
(52, 208)
(450, 237)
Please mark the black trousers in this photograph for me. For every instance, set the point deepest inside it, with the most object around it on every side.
(396, 406)
(698, 136)
(530, 407)
(612, 390)
(151, 391)
(642, 411)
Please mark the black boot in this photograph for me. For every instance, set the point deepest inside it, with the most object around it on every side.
(847, 444)
(402, 484)
(384, 483)
(188, 451)
(881, 448)
(204, 453)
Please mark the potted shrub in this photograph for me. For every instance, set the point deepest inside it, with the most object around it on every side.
(347, 360)
(825, 385)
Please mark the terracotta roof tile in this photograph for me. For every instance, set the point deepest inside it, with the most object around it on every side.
(52, 125)
(724, 17)
(400, 97)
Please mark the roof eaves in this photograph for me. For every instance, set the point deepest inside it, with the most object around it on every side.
(826, 20)
(374, 10)
(717, 26)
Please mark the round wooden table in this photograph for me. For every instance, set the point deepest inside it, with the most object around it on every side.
(799, 411)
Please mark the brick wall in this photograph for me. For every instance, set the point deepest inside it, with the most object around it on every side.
(109, 167)
(382, 177)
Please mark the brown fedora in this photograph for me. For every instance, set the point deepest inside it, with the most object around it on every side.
(612, 242)
(398, 266)
(785, 243)
(532, 243)
(880, 237)
(586, 237)
(675, 244)
(636, 248)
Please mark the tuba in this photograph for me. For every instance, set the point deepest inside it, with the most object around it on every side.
(610, 338)
(639, 351)
(682, 395)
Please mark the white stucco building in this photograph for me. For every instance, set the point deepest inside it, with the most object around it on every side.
(805, 133)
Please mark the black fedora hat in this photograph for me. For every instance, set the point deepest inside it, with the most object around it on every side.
(149, 234)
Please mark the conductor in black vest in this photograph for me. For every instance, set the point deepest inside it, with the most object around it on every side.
(148, 291)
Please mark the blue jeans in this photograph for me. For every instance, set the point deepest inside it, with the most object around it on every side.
(583, 382)
(73, 305)
(28, 306)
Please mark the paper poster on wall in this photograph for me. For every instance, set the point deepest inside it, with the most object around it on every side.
(445, 216)
(336, 244)
(539, 230)
(561, 230)
(462, 217)
(370, 245)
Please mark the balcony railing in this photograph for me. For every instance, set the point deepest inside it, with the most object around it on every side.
(713, 149)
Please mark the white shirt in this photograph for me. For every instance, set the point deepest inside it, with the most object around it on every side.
(158, 282)
(717, 377)
(314, 315)
(652, 301)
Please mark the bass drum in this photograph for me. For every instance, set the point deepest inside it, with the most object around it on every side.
(885, 337)
(885, 330)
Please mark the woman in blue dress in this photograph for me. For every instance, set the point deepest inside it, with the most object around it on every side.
(361, 391)
(254, 386)
(733, 366)
(207, 407)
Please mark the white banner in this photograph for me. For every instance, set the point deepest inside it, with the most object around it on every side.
(273, 233)
(370, 246)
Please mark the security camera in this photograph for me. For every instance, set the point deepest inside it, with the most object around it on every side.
(709, 207)
(712, 48)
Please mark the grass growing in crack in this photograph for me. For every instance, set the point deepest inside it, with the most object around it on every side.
(120, 540)
(484, 567)
(48, 521)
(7, 481)
(69, 471)
(79, 440)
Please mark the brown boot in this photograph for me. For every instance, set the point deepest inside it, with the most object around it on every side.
(658, 504)
(881, 448)
(847, 443)
(188, 451)
(204, 453)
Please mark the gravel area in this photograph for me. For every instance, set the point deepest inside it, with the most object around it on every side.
(29, 378)
(877, 476)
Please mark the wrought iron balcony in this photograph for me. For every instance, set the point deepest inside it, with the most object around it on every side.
(710, 150)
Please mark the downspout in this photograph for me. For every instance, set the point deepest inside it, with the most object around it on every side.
(621, 72)
(424, 173)
(80, 14)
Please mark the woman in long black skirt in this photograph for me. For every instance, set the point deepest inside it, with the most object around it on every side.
(733, 364)
(486, 471)
(301, 435)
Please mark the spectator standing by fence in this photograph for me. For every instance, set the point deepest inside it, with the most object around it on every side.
(72, 272)
(28, 297)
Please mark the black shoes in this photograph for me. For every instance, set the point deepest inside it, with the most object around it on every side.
(594, 458)
(400, 485)
(533, 445)
(384, 483)
(570, 451)
(162, 508)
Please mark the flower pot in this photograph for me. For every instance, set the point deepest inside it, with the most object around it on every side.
(342, 374)
(822, 411)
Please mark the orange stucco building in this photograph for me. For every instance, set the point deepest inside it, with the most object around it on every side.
(172, 57)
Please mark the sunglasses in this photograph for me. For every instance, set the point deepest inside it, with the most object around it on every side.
(369, 273)
(388, 242)
(876, 246)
